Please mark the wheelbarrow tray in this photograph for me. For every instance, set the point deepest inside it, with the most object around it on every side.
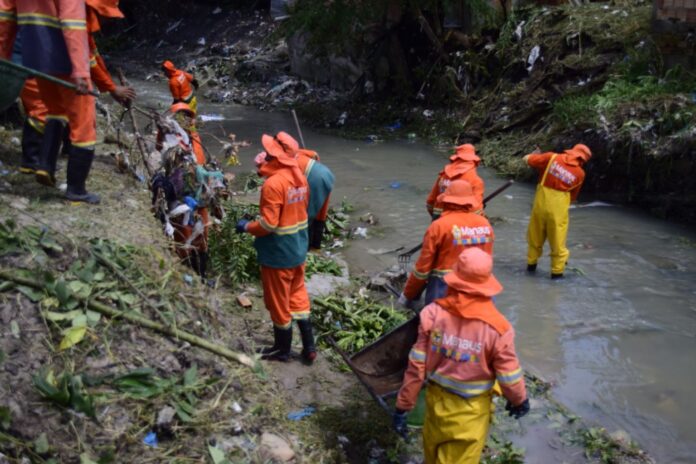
(380, 366)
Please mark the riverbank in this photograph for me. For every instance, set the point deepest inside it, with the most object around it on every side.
(554, 77)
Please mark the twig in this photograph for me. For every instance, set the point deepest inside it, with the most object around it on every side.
(138, 136)
(143, 322)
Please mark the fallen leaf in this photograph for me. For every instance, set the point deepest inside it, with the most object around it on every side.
(72, 336)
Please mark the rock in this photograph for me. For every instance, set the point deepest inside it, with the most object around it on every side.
(274, 447)
(165, 416)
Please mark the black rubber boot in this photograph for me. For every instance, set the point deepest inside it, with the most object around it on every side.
(67, 144)
(48, 153)
(531, 268)
(280, 351)
(31, 144)
(309, 351)
(556, 276)
(79, 164)
(316, 233)
(202, 264)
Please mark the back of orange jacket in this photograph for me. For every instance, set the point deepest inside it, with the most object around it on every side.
(565, 173)
(54, 35)
(443, 242)
(468, 173)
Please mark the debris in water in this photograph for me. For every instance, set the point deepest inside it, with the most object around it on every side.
(360, 232)
(395, 185)
(211, 117)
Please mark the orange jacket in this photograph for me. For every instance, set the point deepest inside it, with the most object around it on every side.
(179, 84)
(281, 232)
(443, 242)
(565, 174)
(97, 67)
(464, 344)
(463, 170)
(54, 35)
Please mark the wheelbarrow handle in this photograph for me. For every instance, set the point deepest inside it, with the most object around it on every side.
(44, 76)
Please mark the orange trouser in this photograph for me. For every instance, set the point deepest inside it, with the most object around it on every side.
(77, 110)
(284, 294)
(33, 105)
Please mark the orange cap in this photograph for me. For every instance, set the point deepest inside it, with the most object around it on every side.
(458, 192)
(473, 274)
(181, 106)
(288, 143)
(465, 152)
(169, 66)
(106, 8)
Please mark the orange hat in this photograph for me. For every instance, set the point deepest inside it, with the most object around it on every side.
(458, 192)
(308, 153)
(169, 66)
(106, 8)
(181, 106)
(275, 149)
(473, 274)
(465, 152)
(288, 143)
(580, 152)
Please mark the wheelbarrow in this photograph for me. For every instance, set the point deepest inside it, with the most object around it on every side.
(380, 366)
(12, 77)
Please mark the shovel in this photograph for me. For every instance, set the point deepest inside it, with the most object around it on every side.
(405, 258)
(12, 77)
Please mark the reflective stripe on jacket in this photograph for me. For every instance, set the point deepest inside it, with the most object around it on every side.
(281, 231)
(54, 35)
(464, 355)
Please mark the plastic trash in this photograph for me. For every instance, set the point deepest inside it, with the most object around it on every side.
(360, 232)
(211, 117)
(395, 185)
(395, 126)
(534, 55)
(372, 138)
(188, 279)
(151, 439)
(428, 113)
(342, 118)
(301, 414)
(201, 41)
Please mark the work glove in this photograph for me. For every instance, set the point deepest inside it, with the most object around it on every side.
(241, 226)
(519, 410)
(399, 423)
(195, 83)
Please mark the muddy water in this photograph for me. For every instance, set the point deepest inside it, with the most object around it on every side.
(617, 336)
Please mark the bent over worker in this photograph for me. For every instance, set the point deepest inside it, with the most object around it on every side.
(464, 345)
(560, 178)
(181, 85)
(321, 182)
(281, 244)
(462, 166)
(457, 228)
(55, 41)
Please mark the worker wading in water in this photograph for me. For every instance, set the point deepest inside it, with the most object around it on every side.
(462, 166)
(560, 178)
(321, 182)
(181, 85)
(55, 41)
(36, 110)
(281, 245)
(464, 345)
(457, 228)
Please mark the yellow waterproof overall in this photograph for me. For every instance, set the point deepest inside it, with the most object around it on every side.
(549, 220)
(455, 428)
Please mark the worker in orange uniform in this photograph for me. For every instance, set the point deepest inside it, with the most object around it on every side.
(464, 345)
(281, 244)
(560, 178)
(181, 85)
(55, 41)
(321, 182)
(462, 166)
(36, 110)
(457, 228)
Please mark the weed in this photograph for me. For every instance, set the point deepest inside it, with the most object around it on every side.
(233, 255)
